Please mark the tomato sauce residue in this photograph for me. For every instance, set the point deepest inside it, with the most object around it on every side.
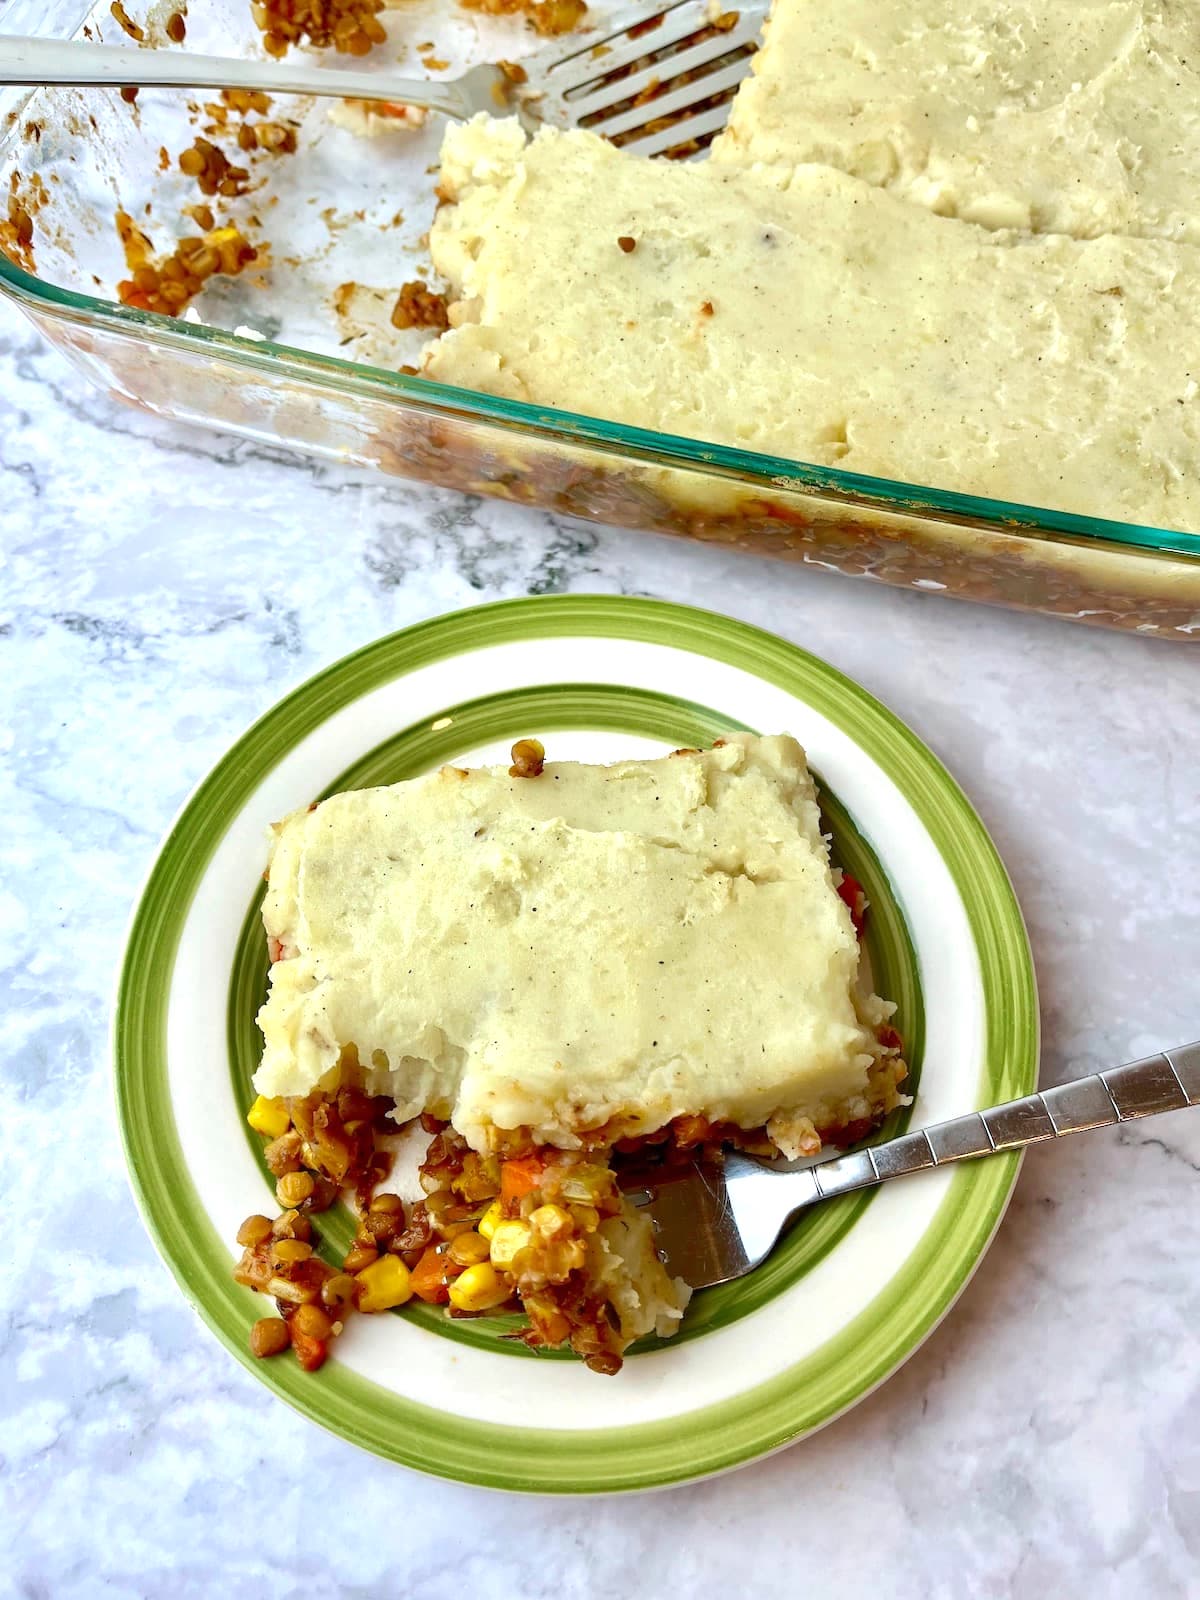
(853, 893)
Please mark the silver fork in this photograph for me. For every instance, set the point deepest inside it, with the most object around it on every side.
(587, 80)
(715, 1222)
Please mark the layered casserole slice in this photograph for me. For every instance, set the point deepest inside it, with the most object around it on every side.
(549, 963)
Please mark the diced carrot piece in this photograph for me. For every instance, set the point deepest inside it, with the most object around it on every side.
(520, 1177)
(310, 1352)
(429, 1278)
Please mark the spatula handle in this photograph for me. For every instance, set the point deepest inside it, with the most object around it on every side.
(1166, 1082)
(56, 61)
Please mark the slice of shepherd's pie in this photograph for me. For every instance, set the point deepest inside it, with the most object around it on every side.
(547, 964)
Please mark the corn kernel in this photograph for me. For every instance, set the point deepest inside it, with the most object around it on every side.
(551, 1221)
(490, 1219)
(479, 1288)
(508, 1239)
(384, 1284)
(269, 1117)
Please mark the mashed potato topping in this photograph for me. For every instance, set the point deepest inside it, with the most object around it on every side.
(1060, 116)
(808, 314)
(590, 952)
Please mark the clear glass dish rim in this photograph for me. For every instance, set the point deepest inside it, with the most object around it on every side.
(567, 427)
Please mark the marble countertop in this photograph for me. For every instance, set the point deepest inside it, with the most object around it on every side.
(159, 588)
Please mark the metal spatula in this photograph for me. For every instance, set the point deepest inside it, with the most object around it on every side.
(714, 1222)
(657, 81)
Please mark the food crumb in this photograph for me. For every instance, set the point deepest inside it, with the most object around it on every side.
(419, 306)
(202, 216)
(528, 759)
(25, 200)
(352, 27)
(168, 284)
(213, 170)
(126, 23)
(547, 17)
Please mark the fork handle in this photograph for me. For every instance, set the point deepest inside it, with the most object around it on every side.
(82, 65)
(1166, 1082)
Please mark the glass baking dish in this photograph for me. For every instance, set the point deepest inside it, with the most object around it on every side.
(302, 352)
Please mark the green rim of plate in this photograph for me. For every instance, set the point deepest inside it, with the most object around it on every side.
(713, 1438)
(544, 710)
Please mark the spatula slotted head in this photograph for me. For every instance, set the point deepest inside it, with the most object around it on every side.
(660, 84)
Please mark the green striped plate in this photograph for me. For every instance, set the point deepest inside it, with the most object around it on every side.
(855, 1286)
